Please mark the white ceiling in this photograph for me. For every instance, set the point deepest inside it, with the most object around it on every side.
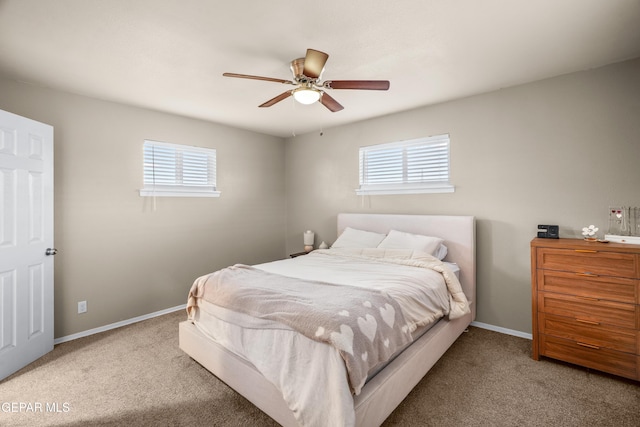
(169, 55)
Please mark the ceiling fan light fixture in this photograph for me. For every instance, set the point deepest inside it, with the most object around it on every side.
(306, 95)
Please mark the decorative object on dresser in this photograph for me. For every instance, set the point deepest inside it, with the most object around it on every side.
(586, 304)
(590, 233)
(624, 225)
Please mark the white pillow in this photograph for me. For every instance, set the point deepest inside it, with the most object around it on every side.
(401, 240)
(353, 238)
(441, 252)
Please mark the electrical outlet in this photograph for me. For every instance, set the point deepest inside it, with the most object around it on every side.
(82, 307)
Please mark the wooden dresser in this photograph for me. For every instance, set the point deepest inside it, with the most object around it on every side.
(586, 304)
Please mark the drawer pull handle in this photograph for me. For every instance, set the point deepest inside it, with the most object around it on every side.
(587, 274)
(582, 344)
(587, 298)
(588, 322)
(586, 251)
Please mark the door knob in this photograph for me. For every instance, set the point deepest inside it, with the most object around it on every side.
(51, 251)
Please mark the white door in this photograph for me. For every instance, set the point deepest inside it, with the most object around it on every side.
(26, 237)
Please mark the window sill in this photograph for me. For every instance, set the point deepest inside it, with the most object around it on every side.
(442, 188)
(156, 193)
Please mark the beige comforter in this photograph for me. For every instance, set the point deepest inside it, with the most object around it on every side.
(365, 325)
(458, 303)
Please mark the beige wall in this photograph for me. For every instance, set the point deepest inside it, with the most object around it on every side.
(117, 253)
(558, 151)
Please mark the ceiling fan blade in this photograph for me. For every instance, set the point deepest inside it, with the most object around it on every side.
(330, 103)
(277, 99)
(267, 79)
(358, 84)
(314, 63)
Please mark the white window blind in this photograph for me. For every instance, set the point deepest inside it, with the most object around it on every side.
(404, 167)
(179, 170)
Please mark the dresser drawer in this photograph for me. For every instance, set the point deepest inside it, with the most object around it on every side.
(602, 359)
(592, 286)
(601, 312)
(589, 261)
(620, 339)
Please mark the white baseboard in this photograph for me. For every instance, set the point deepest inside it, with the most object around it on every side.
(118, 324)
(502, 330)
(184, 306)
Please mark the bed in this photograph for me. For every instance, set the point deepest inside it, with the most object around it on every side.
(389, 383)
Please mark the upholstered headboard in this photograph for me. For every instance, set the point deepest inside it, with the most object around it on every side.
(458, 233)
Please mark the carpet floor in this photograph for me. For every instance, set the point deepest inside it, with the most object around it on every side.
(137, 376)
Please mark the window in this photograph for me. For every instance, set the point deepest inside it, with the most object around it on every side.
(406, 167)
(179, 170)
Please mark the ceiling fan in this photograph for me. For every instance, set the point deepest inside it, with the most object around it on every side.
(306, 76)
